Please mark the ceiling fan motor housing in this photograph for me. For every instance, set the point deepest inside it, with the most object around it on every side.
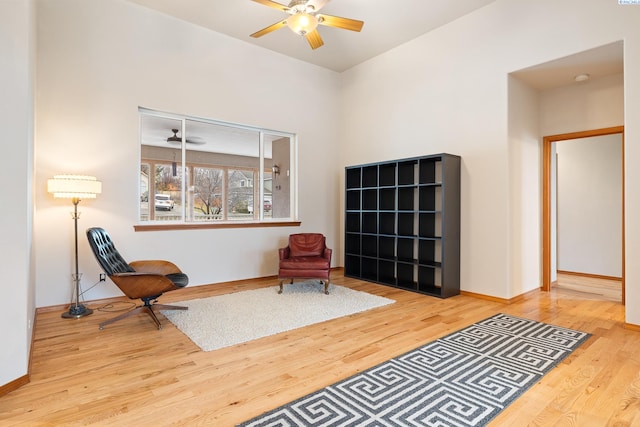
(300, 6)
(175, 137)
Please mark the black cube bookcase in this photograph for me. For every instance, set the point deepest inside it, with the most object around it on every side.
(402, 223)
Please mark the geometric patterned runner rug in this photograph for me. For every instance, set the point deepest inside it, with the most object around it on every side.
(463, 379)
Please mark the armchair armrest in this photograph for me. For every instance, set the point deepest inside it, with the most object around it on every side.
(327, 254)
(155, 267)
(130, 273)
(284, 253)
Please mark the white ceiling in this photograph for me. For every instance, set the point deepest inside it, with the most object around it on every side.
(387, 24)
(598, 62)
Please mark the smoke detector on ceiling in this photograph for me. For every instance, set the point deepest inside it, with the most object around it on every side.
(581, 77)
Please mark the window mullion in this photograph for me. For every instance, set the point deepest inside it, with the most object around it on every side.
(261, 176)
(183, 181)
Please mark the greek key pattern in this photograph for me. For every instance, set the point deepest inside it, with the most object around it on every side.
(463, 379)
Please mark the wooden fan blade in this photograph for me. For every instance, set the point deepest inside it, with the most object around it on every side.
(314, 39)
(338, 22)
(269, 29)
(273, 4)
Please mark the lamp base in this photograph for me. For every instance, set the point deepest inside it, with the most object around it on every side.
(76, 312)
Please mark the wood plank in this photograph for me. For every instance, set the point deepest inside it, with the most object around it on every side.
(591, 286)
(131, 374)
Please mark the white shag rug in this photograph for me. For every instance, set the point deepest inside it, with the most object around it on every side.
(225, 320)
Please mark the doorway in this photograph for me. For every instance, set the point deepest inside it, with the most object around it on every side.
(547, 202)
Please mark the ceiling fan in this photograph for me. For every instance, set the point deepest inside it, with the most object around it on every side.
(304, 18)
(178, 139)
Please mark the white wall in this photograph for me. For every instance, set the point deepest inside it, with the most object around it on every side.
(594, 104)
(590, 205)
(17, 62)
(99, 61)
(447, 91)
(524, 160)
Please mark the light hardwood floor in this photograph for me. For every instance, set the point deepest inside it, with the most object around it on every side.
(595, 287)
(132, 374)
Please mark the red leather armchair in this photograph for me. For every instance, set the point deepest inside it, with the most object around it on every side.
(306, 257)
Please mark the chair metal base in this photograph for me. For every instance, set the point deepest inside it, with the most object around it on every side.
(146, 307)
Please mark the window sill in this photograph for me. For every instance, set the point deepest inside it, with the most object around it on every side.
(206, 226)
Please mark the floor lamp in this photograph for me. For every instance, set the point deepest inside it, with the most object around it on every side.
(76, 188)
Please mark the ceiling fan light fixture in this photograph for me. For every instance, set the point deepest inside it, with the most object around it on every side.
(302, 23)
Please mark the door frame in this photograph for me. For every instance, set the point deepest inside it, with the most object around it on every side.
(547, 142)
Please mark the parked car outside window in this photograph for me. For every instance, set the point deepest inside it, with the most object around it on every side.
(163, 202)
(267, 206)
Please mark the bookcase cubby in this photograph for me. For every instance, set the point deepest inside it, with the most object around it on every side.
(402, 223)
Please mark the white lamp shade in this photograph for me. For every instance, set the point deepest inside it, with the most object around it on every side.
(74, 186)
(302, 23)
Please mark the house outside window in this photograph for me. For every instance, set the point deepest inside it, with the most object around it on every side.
(217, 172)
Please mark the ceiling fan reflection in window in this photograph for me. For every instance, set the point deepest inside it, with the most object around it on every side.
(304, 20)
(178, 139)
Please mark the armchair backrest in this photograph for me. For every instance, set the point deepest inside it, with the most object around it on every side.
(306, 244)
(106, 253)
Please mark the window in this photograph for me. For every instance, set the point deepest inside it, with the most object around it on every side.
(199, 170)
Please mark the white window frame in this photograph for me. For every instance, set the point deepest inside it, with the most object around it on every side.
(186, 212)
